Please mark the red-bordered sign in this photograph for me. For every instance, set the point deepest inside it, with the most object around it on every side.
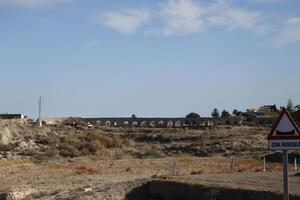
(285, 128)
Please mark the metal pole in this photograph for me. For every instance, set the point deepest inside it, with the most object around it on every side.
(264, 169)
(40, 111)
(174, 168)
(232, 164)
(285, 175)
(295, 164)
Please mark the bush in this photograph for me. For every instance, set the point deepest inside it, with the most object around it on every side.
(75, 122)
(46, 140)
(69, 151)
(87, 143)
(30, 152)
(100, 141)
(51, 152)
(8, 147)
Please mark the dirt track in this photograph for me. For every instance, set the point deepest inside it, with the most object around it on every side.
(258, 181)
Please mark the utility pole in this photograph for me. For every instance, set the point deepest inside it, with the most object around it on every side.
(285, 175)
(40, 112)
(264, 161)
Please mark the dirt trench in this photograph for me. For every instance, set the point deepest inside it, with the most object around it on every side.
(168, 190)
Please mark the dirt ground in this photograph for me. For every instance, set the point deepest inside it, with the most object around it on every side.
(77, 162)
(89, 178)
(257, 181)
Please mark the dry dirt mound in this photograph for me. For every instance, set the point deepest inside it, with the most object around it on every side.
(71, 141)
(5, 136)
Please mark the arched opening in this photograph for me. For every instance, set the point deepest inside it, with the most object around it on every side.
(44, 123)
(143, 124)
(107, 123)
(170, 124)
(178, 124)
(210, 123)
(152, 124)
(134, 124)
(186, 123)
(202, 123)
(125, 123)
(161, 123)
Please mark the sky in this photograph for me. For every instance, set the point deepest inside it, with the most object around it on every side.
(161, 58)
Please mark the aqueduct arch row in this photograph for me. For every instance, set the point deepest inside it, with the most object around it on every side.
(151, 122)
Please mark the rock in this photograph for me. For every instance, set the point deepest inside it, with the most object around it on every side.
(85, 190)
(16, 195)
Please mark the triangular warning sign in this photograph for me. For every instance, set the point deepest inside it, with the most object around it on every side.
(284, 128)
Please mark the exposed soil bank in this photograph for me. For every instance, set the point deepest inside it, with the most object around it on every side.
(169, 190)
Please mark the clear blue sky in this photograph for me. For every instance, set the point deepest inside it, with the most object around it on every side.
(152, 58)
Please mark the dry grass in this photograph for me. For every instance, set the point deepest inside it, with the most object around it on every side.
(47, 140)
(7, 163)
(90, 170)
(88, 142)
(252, 165)
(247, 165)
(78, 169)
(273, 167)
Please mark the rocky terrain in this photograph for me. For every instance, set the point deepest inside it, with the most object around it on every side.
(80, 162)
(65, 141)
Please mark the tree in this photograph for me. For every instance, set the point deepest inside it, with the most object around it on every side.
(215, 113)
(250, 116)
(274, 108)
(225, 113)
(290, 106)
(133, 116)
(193, 119)
(235, 112)
(297, 107)
(193, 115)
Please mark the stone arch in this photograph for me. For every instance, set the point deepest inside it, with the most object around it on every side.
(178, 124)
(143, 124)
(125, 123)
(98, 122)
(186, 123)
(107, 123)
(170, 124)
(44, 123)
(134, 124)
(152, 124)
(202, 123)
(161, 123)
(210, 123)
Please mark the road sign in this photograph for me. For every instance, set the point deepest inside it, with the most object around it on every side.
(285, 134)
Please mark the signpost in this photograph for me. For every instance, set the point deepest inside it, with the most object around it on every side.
(285, 135)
